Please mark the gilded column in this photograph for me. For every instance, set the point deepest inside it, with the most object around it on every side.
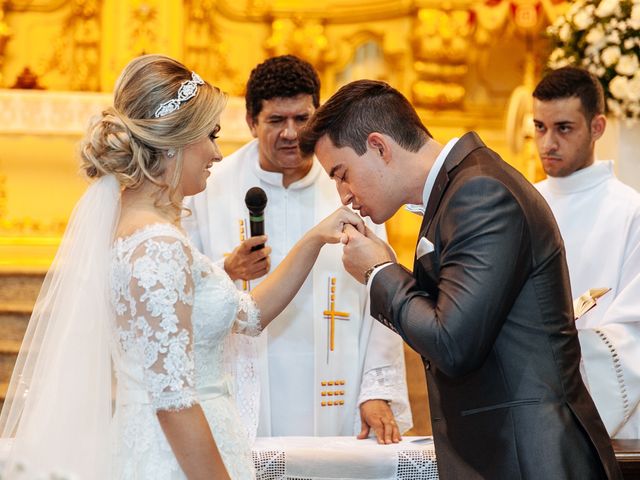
(5, 35)
(440, 43)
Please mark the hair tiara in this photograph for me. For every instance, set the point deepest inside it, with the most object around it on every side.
(188, 89)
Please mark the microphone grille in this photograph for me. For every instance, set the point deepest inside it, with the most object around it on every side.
(255, 199)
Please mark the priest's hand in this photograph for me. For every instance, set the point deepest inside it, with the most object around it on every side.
(361, 252)
(243, 264)
(377, 414)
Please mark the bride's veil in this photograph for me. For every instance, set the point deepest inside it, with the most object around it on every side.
(58, 408)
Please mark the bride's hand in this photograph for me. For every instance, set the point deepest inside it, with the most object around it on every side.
(331, 229)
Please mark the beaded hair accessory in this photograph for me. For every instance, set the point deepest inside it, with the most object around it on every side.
(188, 89)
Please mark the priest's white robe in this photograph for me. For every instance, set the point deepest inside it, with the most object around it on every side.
(306, 388)
(599, 219)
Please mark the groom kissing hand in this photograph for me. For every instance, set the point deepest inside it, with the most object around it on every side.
(488, 305)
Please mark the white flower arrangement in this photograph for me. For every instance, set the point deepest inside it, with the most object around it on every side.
(603, 36)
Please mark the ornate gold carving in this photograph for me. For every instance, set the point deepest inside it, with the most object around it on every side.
(143, 28)
(3, 196)
(27, 80)
(27, 231)
(304, 38)
(77, 51)
(5, 35)
(342, 12)
(205, 50)
(440, 41)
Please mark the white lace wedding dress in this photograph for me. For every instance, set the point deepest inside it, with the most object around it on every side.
(175, 310)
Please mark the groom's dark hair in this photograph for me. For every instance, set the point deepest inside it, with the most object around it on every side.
(360, 108)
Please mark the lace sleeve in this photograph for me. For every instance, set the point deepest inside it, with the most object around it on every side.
(156, 328)
(248, 317)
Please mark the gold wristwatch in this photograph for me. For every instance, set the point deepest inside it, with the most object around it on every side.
(369, 271)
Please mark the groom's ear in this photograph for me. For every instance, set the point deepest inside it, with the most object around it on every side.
(379, 145)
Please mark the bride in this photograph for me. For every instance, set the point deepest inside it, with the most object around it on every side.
(127, 293)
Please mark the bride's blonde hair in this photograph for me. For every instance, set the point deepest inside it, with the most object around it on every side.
(127, 140)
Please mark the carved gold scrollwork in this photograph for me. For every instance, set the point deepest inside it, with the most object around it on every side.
(3, 196)
(441, 40)
(5, 36)
(305, 39)
(144, 17)
(206, 52)
(77, 51)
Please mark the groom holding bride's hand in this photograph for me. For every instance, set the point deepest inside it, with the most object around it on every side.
(488, 304)
(364, 248)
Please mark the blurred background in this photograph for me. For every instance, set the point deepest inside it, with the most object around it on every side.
(465, 65)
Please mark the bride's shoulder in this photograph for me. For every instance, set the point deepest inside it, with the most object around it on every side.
(134, 230)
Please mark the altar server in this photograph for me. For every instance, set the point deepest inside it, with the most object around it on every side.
(599, 219)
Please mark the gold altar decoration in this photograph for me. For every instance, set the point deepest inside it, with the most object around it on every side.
(144, 17)
(440, 41)
(205, 49)
(76, 52)
(304, 38)
(5, 35)
(458, 61)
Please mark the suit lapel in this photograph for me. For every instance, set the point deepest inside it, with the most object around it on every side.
(463, 147)
(426, 270)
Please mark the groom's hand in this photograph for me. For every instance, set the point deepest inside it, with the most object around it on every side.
(361, 252)
(331, 229)
(377, 414)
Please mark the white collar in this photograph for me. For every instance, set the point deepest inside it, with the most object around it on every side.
(582, 179)
(275, 178)
(431, 178)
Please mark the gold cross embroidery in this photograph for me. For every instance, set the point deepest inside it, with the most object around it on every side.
(242, 225)
(245, 283)
(331, 314)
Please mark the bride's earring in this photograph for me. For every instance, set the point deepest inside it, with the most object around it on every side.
(171, 152)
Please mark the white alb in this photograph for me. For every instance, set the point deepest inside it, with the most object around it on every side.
(599, 219)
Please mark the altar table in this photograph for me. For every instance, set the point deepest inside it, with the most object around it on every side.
(335, 458)
(344, 458)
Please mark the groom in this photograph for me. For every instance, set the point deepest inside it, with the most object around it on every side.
(488, 305)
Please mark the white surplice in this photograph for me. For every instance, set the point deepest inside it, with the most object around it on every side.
(599, 219)
(306, 387)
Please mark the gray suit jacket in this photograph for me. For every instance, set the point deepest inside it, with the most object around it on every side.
(490, 311)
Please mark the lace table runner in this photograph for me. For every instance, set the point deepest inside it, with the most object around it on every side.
(333, 458)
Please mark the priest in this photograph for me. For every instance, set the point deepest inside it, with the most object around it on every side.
(326, 367)
(599, 219)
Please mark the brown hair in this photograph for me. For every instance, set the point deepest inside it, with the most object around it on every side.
(360, 108)
(568, 82)
(128, 141)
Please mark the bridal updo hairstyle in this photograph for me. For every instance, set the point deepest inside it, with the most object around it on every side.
(128, 141)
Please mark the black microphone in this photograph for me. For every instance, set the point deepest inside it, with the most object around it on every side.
(256, 201)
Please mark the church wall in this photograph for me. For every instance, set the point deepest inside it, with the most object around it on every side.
(458, 62)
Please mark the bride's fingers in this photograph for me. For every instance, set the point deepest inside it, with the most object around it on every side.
(352, 218)
(350, 230)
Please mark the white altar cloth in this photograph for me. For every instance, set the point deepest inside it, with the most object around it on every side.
(344, 458)
(335, 458)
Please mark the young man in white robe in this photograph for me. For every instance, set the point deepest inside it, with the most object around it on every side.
(599, 219)
(326, 368)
